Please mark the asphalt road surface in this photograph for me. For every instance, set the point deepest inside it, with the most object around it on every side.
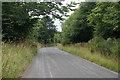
(51, 62)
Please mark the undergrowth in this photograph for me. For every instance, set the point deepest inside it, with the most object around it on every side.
(16, 57)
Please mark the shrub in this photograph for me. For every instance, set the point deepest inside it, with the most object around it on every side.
(109, 47)
(92, 50)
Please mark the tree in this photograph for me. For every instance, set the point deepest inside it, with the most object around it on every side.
(75, 28)
(57, 37)
(18, 18)
(47, 30)
(15, 21)
(105, 20)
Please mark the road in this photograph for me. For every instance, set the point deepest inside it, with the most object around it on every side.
(51, 62)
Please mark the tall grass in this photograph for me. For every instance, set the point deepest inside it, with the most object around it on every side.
(96, 57)
(15, 58)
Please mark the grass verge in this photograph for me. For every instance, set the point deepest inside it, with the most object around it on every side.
(16, 57)
(95, 57)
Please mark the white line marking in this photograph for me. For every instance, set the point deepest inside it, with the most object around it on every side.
(49, 69)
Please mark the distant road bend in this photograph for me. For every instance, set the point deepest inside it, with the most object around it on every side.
(51, 62)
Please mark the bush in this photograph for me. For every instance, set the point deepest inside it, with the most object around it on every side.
(109, 47)
(92, 50)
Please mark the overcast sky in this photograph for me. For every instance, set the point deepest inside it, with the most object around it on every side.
(57, 22)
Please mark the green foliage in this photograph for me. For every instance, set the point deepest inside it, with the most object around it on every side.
(98, 20)
(18, 18)
(75, 28)
(16, 23)
(109, 47)
(46, 30)
(105, 19)
(92, 50)
(57, 37)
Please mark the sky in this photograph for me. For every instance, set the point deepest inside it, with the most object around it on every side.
(57, 22)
